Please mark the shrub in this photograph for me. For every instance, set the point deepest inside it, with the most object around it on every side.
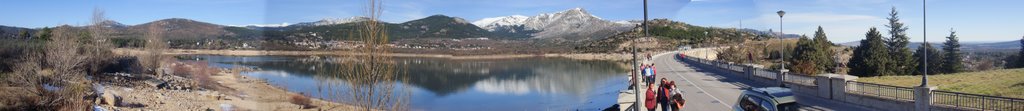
(199, 71)
(301, 100)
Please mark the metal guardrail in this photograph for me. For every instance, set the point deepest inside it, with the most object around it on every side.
(880, 90)
(943, 99)
(800, 79)
(968, 101)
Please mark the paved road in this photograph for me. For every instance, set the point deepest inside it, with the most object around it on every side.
(710, 89)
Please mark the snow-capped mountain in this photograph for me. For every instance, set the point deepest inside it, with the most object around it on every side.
(332, 21)
(573, 24)
(630, 22)
(262, 25)
(491, 23)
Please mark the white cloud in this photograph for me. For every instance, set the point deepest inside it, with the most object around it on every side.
(838, 27)
(401, 12)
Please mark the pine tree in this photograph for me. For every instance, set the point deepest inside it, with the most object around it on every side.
(804, 57)
(903, 59)
(934, 59)
(823, 52)
(44, 34)
(24, 34)
(871, 57)
(1020, 55)
(1016, 60)
(953, 60)
(812, 56)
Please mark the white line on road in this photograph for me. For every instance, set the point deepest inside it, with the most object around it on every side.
(695, 85)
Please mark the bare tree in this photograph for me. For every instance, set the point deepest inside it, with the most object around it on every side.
(66, 58)
(373, 80)
(151, 60)
(99, 55)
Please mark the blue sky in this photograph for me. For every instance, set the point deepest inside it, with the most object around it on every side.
(843, 20)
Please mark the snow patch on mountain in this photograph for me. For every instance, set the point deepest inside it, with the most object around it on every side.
(332, 21)
(263, 25)
(573, 24)
(492, 23)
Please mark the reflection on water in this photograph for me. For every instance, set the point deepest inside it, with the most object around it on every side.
(445, 84)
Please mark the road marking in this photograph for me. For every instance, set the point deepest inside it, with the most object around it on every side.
(697, 86)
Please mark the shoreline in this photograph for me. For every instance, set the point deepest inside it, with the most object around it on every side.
(241, 93)
(577, 56)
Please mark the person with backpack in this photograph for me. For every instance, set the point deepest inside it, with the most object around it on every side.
(663, 94)
(676, 100)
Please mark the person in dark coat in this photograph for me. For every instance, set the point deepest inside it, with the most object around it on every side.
(663, 94)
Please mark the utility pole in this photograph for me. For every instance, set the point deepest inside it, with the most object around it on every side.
(636, 67)
(706, 40)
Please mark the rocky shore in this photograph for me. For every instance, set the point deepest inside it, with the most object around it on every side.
(227, 91)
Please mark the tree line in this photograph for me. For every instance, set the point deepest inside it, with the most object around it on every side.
(1016, 60)
(886, 56)
(882, 55)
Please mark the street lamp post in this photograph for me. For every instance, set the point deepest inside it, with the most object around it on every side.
(783, 51)
(924, 14)
(707, 43)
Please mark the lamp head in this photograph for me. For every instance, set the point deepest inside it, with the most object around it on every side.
(781, 13)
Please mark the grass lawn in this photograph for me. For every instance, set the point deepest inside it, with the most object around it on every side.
(1004, 82)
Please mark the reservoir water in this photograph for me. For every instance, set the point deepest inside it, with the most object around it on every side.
(438, 84)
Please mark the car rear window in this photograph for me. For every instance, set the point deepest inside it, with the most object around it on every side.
(789, 107)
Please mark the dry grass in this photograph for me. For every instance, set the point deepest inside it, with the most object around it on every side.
(1005, 82)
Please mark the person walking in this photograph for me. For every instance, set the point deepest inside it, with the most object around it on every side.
(676, 100)
(650, 98)
(649, 72)
(663, 94)
(654, 71)
(643, 72)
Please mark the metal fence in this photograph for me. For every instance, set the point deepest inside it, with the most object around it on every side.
(764, 73)
(879, 90)
(800, 79)
(736, 67)
(967, 101)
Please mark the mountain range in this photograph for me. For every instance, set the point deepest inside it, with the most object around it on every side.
(573, 24)
(569, 25)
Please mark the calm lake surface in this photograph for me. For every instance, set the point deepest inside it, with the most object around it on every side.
(438, 84)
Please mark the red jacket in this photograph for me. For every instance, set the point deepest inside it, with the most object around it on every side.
(651, 101)
(654, 70)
